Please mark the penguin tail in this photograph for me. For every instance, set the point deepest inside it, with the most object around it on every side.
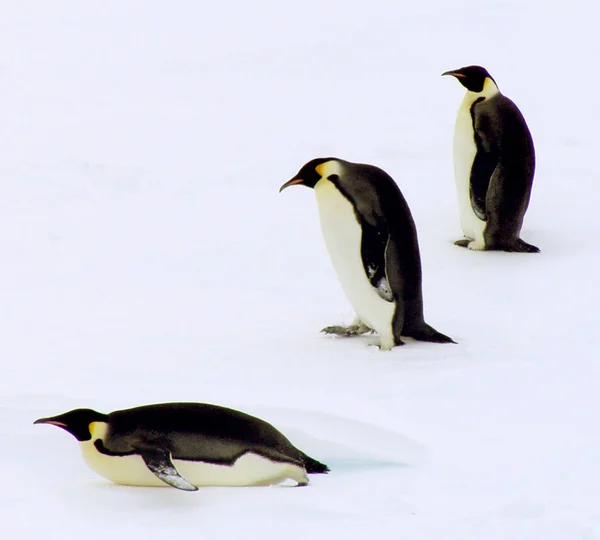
(426, 333)
(524, 247)
(516, 246)
(313, 466)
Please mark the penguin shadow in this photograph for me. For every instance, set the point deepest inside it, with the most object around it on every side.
(163, 499)
(347, 445)
(351, 465)
(122, 498)
(371, 341)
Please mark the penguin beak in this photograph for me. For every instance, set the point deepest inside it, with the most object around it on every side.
(293, 182)
(454, 74)
(50, 421)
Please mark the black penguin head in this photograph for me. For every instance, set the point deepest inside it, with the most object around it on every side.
(308, 175)
(76, 422)
(471, 77)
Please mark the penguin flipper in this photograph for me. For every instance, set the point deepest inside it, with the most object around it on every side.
(485, 162)
(374, 242)
(482, 171)
(158, 461)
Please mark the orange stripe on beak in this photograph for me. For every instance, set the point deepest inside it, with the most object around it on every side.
(294, 181)
(454, 74)
(51, 422)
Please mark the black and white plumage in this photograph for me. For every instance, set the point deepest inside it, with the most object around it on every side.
(372, 241)
(185, 445)
(494, 165)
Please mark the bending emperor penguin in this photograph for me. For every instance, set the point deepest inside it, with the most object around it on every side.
(372, 241)
(494, 164)
(185, 445)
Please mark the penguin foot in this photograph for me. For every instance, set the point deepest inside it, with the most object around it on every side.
(348, 331)
(388, 343)
(303, 483)
(474, 245)
(463, 242)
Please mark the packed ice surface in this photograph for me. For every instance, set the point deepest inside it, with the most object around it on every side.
(147, 256)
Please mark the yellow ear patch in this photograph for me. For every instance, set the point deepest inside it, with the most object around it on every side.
(329, 167)
(97, 429)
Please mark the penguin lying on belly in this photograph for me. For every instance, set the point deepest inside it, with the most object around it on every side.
(372, 241)
(185, 445)
(494, 164)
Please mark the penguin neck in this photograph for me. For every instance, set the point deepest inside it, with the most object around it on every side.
(489, 91)
(98, 430)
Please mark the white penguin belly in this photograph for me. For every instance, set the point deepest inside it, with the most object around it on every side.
(343, 235)
(464, 155)
(249, 470)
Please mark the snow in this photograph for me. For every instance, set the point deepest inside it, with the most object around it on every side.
(147, 256)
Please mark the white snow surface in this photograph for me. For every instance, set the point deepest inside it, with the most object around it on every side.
(147, 256)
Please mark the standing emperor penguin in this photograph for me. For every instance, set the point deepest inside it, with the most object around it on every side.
(372, 241)
(494, 164)
(185, 445)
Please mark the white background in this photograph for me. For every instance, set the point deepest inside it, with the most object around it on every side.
(147, 256)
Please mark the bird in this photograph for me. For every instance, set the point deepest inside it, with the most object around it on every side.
(372, 242)
(185, 445)
(494, 165)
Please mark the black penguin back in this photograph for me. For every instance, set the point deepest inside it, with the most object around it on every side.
(197, 432)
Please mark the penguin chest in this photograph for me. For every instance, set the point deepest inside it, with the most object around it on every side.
(465, 151)
(343, 236)
(248, 470)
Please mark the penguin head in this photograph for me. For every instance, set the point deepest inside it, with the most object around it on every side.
(311, 173)
(77, 422)
(473, 78)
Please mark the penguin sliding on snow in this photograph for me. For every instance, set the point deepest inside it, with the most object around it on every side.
(494, 164)
(372, 241)
(185, 445)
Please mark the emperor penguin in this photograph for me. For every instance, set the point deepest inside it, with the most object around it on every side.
(372, 241)
(494, 164)
(185, 445)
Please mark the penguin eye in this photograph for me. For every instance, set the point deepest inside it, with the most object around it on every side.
(333, 177)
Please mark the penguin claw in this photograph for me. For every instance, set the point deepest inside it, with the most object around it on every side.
(347, 331)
